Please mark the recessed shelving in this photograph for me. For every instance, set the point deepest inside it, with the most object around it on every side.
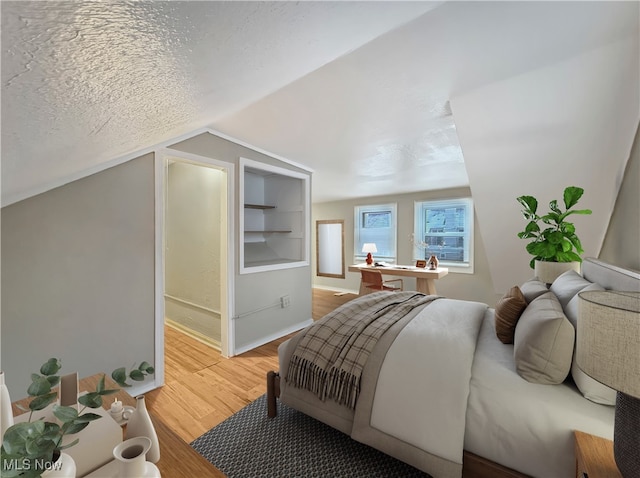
(258, 206)
(274, 223)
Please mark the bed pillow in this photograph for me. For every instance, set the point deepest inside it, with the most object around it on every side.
(533, 288)
(567, 285)
(508, 311)
(571, 309)
(543, 342)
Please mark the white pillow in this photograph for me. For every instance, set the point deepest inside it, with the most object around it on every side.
(567, 285)
(533, 288)
(571, 309)
(543, 342)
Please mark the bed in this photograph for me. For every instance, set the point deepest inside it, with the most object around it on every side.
(444, 390)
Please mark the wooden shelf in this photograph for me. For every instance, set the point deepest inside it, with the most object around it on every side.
(267, 232)
(258, 206)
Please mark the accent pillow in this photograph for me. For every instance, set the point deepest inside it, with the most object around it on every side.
(508, 311)
(567, 285)
(571, 309)
(533, 288)
(543, 342)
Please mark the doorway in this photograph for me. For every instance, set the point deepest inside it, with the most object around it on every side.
(194, 249)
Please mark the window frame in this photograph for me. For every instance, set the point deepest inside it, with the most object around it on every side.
(419, 226)
(359, 214)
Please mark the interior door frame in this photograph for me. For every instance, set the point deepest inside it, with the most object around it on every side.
(227, 246)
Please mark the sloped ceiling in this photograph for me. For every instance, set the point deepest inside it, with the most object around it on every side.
(86, 82)
(377, 98)
(378, 121)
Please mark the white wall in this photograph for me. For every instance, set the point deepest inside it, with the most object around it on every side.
(568, 124)
(258, 317)
(476, 286)
(78, 275)
(192, 248)
(622, 242)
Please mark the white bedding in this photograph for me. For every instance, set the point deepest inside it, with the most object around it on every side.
(501, 407)
(435, 354)
(521, 425)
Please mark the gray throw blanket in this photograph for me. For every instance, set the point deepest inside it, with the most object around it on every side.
(329, 359)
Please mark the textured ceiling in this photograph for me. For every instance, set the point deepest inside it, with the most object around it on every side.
(86, 82)
(358, 91)
(377, 121)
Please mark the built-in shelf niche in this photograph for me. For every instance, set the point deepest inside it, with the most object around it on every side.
(274, 222)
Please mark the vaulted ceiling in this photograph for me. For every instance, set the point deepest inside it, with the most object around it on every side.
(86, 82)
(377, 98)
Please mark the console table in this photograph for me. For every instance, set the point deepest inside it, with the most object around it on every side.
(177, 458)
(425, 278)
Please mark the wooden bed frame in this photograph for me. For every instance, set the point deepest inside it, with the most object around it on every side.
(473, 466)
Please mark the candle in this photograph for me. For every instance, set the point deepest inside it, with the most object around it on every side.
(116, 407)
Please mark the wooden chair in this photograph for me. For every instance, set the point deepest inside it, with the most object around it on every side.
(371, 281)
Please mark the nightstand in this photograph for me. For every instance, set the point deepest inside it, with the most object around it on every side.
(594, 457)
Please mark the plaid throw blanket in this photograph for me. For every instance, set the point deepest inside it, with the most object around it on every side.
(329, 359)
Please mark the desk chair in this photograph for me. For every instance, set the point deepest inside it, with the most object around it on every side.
(372, 281)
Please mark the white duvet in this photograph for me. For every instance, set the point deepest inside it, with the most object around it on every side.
(423, 385)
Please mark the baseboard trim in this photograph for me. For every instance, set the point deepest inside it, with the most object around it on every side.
(272, 337)
(193, 334)
(336, 289)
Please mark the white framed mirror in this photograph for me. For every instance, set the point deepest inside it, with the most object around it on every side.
(330, 248)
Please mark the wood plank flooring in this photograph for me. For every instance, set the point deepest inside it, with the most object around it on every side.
(202, 388)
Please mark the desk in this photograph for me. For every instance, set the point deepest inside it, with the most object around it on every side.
(177, 458)
(425, 279)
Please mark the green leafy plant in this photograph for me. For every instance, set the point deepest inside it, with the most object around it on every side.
(558, 241)
(28, 448)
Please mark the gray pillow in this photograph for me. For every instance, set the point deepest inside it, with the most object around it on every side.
(533, 288)
(571, 309)
(567, 285)
(543, 342)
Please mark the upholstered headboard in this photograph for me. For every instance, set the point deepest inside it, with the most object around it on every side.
(610, 276)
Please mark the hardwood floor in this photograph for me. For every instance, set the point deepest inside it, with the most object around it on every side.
(202, 388)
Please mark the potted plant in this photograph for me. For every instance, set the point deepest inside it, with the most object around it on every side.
(555, 247)
(31, 447)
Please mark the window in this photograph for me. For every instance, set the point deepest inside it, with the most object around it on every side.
(445, 229)
(375, 224)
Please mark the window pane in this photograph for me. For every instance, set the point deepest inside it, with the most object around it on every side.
(376, 219)
(375, 224)
(444, 229)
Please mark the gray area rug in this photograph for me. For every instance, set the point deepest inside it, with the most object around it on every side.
(249, 444)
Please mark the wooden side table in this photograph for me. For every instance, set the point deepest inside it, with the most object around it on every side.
(594, 457)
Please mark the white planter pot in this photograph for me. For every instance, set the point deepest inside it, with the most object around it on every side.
(547, 272)
(6, 414)
(131, 456)
(65, 467)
